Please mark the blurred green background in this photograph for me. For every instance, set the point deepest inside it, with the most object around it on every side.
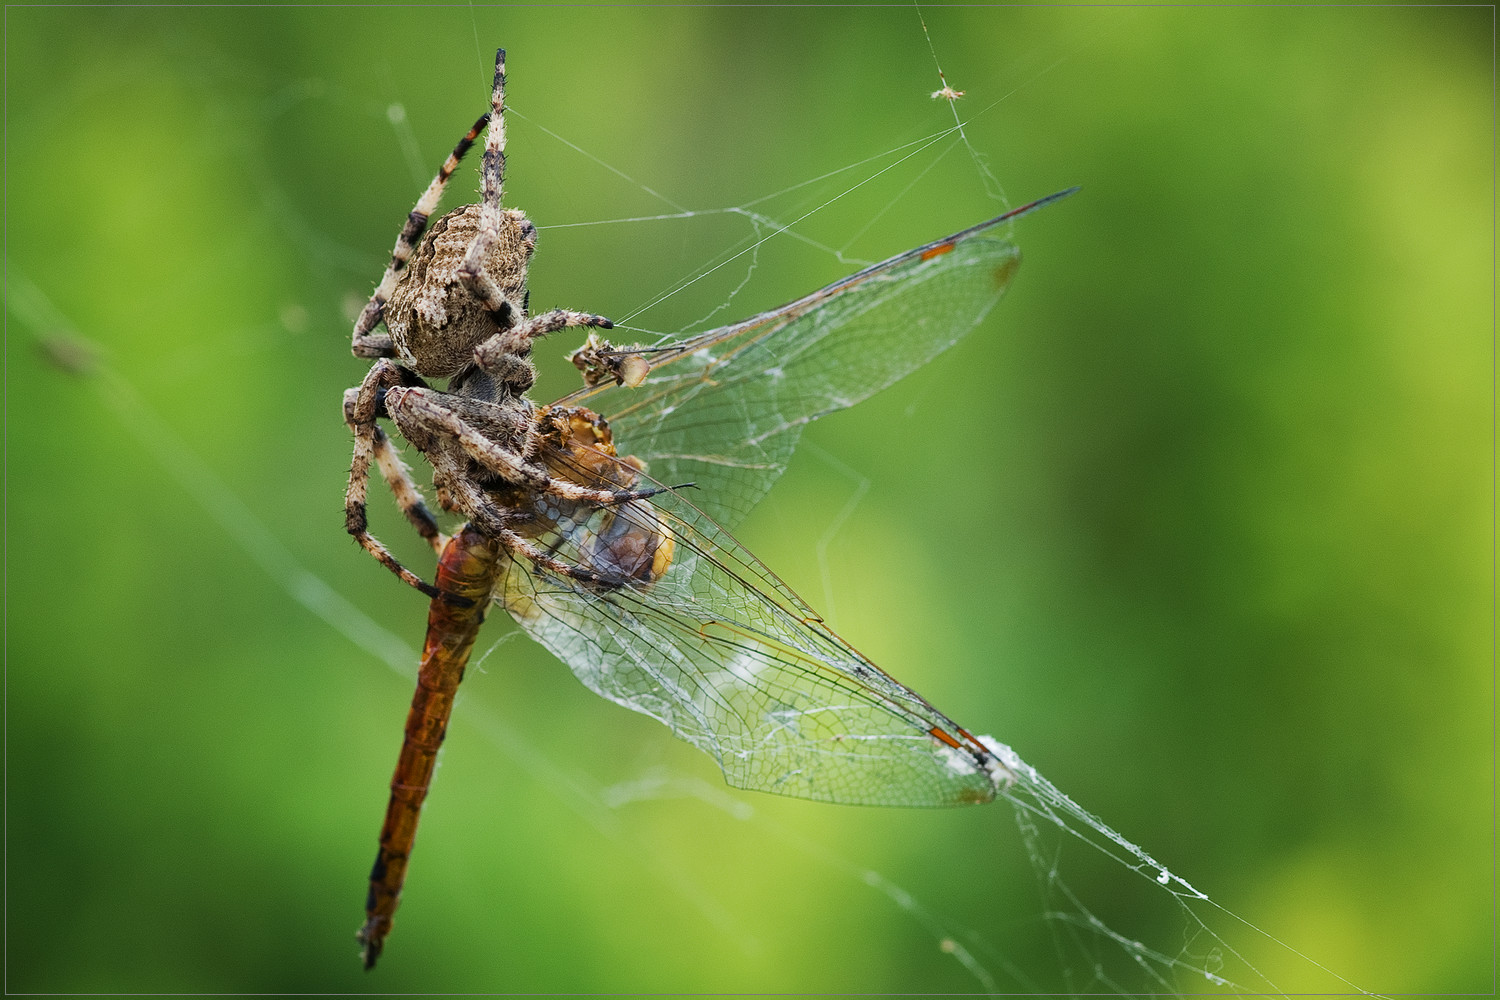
(1199, 521)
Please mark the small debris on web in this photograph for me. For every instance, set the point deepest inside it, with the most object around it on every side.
(947, 92)
(600, 361)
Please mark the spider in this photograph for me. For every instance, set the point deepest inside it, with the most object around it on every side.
(454, 304)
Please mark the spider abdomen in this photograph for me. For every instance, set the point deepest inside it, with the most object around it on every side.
(434, 319)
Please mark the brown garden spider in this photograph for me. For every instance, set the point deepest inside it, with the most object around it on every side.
(455, 307)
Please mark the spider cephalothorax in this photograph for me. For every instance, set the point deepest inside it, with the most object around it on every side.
(455, 304)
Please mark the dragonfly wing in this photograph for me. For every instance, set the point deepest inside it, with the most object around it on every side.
(725, 409)
(671, 617)
(710, 643)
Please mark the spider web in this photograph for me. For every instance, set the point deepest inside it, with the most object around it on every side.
(1083, 941)
(1094, 958)
(1211, 950)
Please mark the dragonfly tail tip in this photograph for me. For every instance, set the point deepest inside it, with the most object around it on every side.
(371, 938)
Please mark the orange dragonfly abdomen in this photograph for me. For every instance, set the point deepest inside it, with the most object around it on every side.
(468, 568)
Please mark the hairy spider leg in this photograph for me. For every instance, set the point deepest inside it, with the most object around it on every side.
(408, 496)
(518, 546)
(558, 319)
(398, 477)
(490, 520)
(421, 414)
(360, 414)
(368, 344)
(517, 339)
(504, 355)
(492, 173)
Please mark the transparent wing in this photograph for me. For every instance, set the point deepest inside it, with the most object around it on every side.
(724, 409)
(676, 620)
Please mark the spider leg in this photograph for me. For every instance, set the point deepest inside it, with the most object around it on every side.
(425, 414)
(398, 477)
(492, 522)
(492, 173)
(494, 354)
(368, 344)
(505, 354)
(360, 413)
(483, 512)
(408, 496)
(519, 546)
(558, 319)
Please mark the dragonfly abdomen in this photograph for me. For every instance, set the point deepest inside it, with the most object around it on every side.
(467, 569)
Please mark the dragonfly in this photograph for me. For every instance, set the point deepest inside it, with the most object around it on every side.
(639, 587)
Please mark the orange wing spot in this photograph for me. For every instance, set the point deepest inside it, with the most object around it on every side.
(939, 734)
(937, 251)
(1005, 272)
